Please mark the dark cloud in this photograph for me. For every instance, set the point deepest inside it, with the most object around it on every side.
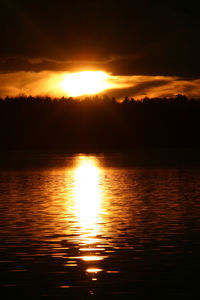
(21, 63)
(147, 37)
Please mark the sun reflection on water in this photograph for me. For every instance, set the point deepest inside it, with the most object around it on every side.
(88, 210)
(87, 195)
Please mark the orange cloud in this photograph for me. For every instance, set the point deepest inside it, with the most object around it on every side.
(49, 83)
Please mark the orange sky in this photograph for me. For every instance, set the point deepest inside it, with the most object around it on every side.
(53, 84)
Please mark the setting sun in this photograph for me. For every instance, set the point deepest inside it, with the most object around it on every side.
(85, 83)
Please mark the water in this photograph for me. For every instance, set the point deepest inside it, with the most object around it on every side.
(92, 227)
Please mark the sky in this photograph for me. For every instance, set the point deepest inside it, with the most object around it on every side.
(149, 47)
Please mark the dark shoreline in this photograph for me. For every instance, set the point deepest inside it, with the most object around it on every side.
(102, 126)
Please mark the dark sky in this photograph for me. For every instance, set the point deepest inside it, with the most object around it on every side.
(123, 37)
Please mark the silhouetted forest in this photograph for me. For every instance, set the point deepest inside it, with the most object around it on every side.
(99, 124)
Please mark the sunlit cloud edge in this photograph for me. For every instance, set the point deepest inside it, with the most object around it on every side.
(47, 83)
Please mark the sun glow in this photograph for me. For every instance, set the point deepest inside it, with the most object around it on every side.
(85, 83)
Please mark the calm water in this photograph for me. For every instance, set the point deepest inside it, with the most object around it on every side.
(85, 226)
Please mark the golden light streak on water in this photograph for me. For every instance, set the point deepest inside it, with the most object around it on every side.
(93, 270)
(87, 207)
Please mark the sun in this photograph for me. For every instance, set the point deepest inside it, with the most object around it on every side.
(85, 83)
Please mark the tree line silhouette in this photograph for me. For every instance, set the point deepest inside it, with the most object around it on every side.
(99, 123)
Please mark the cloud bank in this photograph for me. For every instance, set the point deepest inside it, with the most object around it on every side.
(48, 83)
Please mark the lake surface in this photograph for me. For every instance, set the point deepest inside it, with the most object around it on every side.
(95, 226)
